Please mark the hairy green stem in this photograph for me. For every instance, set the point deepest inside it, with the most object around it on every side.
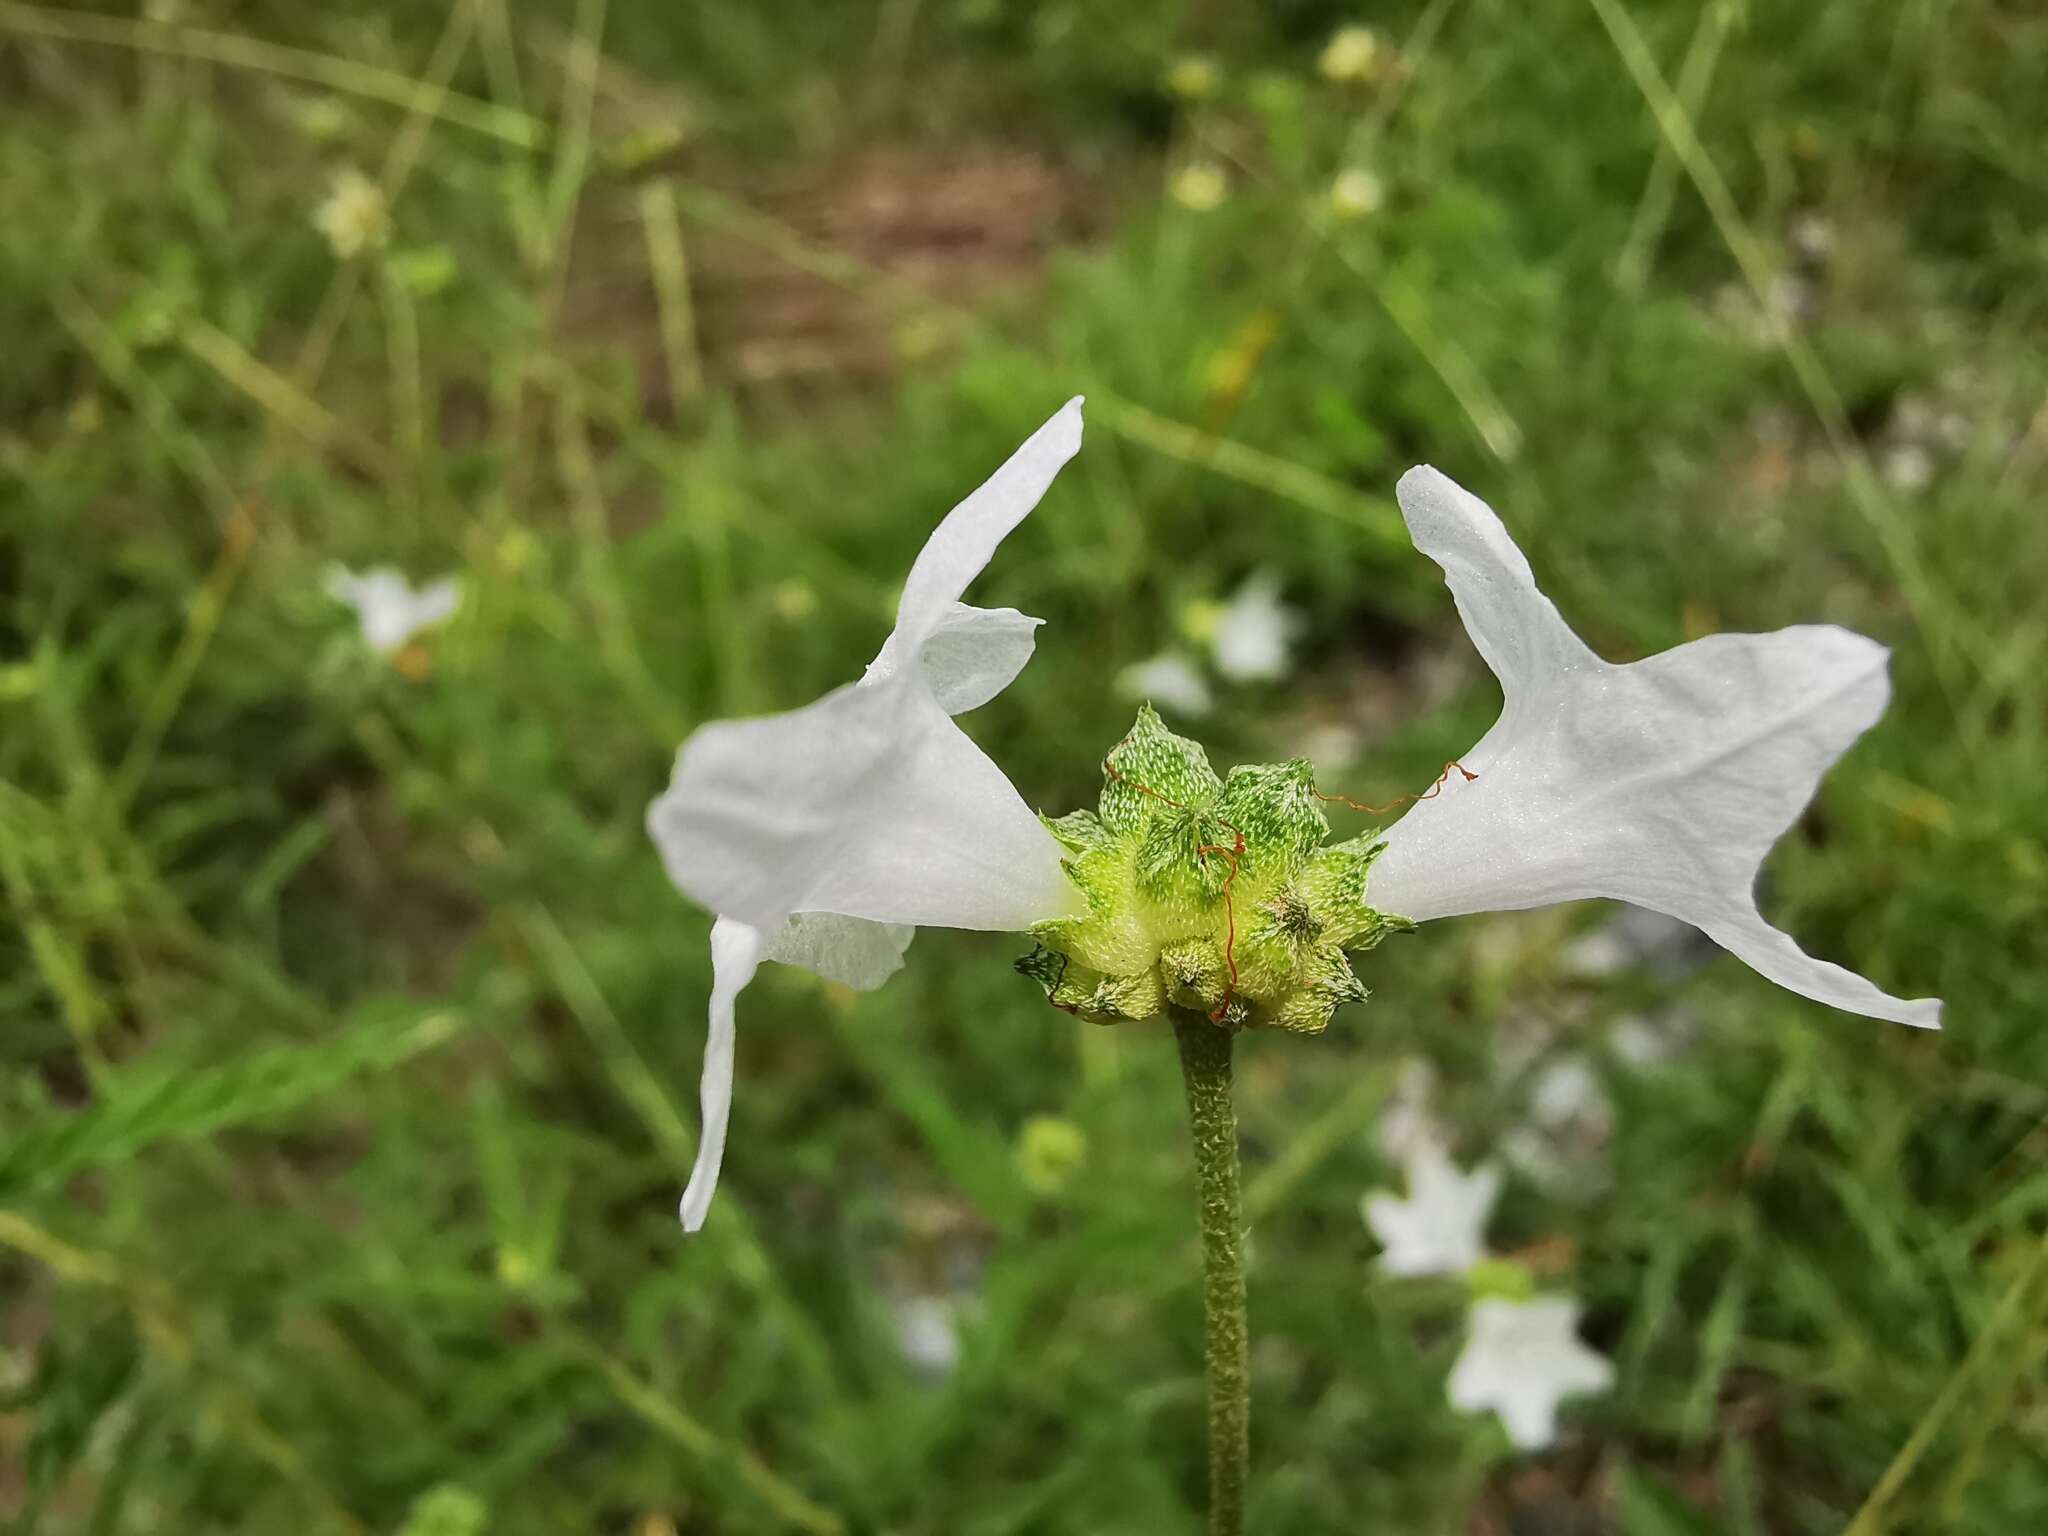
(1205, 1064)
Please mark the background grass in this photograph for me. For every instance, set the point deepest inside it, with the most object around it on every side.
(350, 1030)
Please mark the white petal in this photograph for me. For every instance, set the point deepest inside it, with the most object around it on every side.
(1520, 1359)
(1515, 627)
(1406, 1124)
(849, 950)
(436, 601)
(1663, 782)
(1440, 1229)
(1568, 1093)
(1168, 680)
(970, 656)
(386, 606)
(963, 543)
(927, 1335)
(341, 583)
(869, 803)
(735, 954)
(846, 949)
(1530, 1420)
(1255, 631)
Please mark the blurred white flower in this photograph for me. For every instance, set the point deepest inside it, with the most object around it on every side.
(927, 1335)
(1908, 467)
(1568, 1114)
(1351, 57)
(354, 217)
(1520, 1359)
(1255, 631)
(1812, 237)
(390, 611)
(1200, 187)
(1787, 304)
(1567, 1119)
(823, 837)
(1535, 1155)
(1644, 1040)
(1357, 193)
(1405, 1124)
(1635, 937)
(1568, 1092)
(1169, 681)
(1440, 1229)
(1662, 782)
(1790, 298)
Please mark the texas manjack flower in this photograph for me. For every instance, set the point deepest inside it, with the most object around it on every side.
(825, 836)
(1662, 782)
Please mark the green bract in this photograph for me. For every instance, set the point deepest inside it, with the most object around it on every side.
(1189, 877)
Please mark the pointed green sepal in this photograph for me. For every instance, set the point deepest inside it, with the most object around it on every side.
(1077, 831)
(1277, 810)
(1153, 772)
(1334, 884)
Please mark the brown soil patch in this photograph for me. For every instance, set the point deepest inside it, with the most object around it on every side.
(967, 225)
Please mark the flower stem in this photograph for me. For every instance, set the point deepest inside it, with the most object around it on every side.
(1205, 1064)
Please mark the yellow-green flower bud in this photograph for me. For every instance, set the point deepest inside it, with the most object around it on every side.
(1050, 1152)
(1500, 1277)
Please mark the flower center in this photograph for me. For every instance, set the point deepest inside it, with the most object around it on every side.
(1206, 892)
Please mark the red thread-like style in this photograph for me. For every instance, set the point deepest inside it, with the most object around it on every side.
(1428, 794)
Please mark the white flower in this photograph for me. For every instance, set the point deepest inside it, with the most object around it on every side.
(1168, 680)
(388, 608)
(1635, 936)
(1568, 1117)
(1254, 631)
(1568, 1093)
(1812, 236)
(1648, 1040)
(1405, 1124)
(1663, 782)
(1519, 1359)
(354, 216)
(825, 836)
(926, 1334)
(1908, 467)
(1440, 1229)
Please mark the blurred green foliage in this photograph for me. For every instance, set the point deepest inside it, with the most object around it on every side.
(349, 1030)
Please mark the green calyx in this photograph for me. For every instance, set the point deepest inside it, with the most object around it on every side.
(1215, 894)
(1500, 1277)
